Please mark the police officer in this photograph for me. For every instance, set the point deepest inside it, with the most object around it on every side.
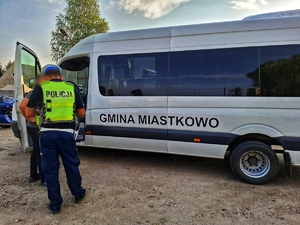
(33, 131)
(58, 102)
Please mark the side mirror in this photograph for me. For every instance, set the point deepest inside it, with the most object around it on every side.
(31, 83)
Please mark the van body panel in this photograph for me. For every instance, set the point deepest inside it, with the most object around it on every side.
(152, 33)
(135, 144)
(295, 157)
(197, 149)
(257, 129)
(118, 122)
(242, 39)
(133, 46)
(240, 115)
(236, 26)
(84, 47)
(236, 34)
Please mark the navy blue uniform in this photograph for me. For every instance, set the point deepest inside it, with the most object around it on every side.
(59, 141)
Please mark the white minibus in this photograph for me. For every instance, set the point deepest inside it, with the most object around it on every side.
(200, 90)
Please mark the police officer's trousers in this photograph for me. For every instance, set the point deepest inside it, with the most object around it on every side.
(35, 159)
(53, 144)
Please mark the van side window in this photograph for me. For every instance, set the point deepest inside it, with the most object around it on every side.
(279, 72)
(217, 72)
(248, 71)
(133, 75)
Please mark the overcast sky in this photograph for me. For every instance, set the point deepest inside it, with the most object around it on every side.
(31, 21)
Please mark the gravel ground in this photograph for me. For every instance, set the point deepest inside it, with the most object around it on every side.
(126, 187)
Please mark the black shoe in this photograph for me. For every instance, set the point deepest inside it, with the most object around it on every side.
(33, 179)
(54, 210)
(43, 184)
(79, 198)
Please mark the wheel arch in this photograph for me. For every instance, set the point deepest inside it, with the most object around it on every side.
(257, 129)
(255, 132)
(252, 137)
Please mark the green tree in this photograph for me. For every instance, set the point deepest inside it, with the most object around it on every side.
(2, 71)
(4, 68)
(9, 64)
(80, 20)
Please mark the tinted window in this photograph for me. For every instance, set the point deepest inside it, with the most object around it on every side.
(252, 71)
(133, 75)
(279, 72)
(221, 72)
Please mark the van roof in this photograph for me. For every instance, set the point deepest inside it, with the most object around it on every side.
(97, 42)
(289, 13)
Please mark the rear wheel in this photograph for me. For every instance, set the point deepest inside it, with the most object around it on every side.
(254, 162)
(5, 126)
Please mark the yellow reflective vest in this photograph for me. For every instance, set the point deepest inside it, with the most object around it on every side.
(58, 102)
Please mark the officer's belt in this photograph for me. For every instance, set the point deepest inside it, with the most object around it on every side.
(57, 129)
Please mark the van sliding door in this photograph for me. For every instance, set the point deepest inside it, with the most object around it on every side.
(130, 103)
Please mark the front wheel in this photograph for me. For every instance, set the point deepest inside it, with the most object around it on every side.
(254, 162)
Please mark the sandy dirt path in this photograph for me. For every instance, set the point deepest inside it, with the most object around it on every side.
(126, 187)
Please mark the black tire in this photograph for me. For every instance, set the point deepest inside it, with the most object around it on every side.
(5, 126)
(254, 162)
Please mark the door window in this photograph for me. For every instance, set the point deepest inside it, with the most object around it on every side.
(30, 68)
(77, 71)
(133, 75)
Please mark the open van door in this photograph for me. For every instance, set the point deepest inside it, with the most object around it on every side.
(26, 67)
